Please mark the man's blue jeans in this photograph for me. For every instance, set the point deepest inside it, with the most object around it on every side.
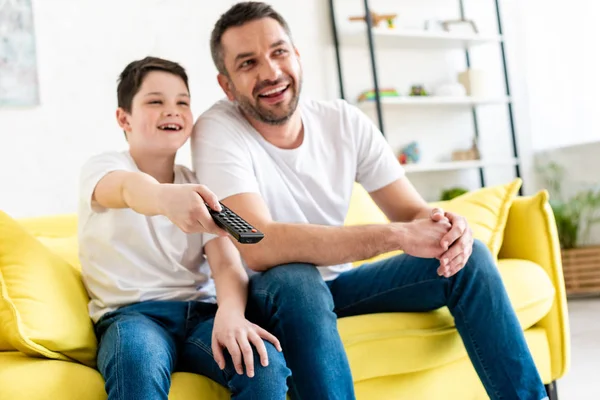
(301, 310)
(142, 344)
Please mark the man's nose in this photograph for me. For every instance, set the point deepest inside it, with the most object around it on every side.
(270, 71)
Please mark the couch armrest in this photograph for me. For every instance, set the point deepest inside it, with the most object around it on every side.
(531, 234)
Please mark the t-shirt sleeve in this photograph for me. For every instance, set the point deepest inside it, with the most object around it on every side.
(377, 166)
(221, 159)
(94, 170)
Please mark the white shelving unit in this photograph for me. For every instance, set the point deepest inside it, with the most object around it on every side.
(434, 101)
(408, 39)
(430, 40)
(458, 165)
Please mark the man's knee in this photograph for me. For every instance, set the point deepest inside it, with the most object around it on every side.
(293, 282)
(481, 264)
(268, 382)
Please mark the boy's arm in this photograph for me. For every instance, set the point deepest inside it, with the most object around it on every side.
(182, 204)
(231, 329)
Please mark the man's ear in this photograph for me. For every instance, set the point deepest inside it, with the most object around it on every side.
(225, 84)
(123, 120)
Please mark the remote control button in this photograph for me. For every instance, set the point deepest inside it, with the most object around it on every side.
(254, 231)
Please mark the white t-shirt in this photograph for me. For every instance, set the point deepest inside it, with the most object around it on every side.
(310, 184)
(127, 257)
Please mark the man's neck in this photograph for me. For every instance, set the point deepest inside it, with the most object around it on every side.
(286, 136)
(160, 167)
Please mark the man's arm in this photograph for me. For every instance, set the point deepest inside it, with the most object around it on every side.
(401, 202)
(310, 243)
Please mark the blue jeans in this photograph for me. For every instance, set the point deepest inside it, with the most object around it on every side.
(142, 344)
(301, 310)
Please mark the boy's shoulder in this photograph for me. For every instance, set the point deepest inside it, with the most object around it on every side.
(110, 156)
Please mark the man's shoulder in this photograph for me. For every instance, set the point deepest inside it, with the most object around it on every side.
(222, 109)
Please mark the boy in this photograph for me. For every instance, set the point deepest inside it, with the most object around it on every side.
(153, 301)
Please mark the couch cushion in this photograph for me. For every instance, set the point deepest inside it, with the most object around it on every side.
(429, 339)
(67, 380)
(485, 209)
(44, 310)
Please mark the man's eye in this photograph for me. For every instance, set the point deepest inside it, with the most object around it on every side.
(280, 52)
(246, 63)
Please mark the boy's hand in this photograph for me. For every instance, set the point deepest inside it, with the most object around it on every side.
(233, 331)
(184, 206)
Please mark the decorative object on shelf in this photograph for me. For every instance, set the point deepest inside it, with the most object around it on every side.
(474, 82)
(462, 21)
(449, 194)
(409, 154)
(369, 95)
(452, 89)
(469, 154)
(377, 19)
(434, 25)
(575, 216)
(418, 90)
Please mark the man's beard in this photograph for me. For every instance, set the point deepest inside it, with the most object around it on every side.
(255, 110)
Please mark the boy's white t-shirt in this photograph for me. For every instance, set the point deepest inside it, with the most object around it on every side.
(127, 257)
(310, 184)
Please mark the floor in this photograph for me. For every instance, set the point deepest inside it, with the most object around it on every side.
(582, 381)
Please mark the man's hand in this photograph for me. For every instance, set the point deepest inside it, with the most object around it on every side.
(458, 241)
(184, 206)
(233, 331)
(423, 237)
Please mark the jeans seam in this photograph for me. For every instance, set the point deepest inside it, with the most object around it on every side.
(479, 358)
(118, 360)
(383, 293)
(228, 373)
(268, 298)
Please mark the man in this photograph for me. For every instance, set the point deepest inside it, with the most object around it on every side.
(288, 167)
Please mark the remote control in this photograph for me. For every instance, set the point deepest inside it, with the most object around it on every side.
(242, 231)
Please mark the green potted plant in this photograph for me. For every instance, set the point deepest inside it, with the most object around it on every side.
(575, 216)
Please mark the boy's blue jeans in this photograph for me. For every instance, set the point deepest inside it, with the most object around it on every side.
(142, 344)
(301, 309)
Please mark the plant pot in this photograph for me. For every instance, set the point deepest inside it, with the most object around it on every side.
(581, 268)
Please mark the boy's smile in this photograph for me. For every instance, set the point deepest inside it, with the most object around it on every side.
(161, 120)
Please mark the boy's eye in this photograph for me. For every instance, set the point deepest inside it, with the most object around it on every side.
(185, 103)
(154, 102)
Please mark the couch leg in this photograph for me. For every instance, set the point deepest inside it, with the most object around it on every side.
(551, 390)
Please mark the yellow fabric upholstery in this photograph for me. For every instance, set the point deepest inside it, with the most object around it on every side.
(393, 355)
(44, 310)
(370, 338)
(531, 234)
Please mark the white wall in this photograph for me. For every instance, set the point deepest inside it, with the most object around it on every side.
(561, 52)
(82, 45)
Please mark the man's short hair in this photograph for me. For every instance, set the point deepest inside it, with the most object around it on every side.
(133, 75)
(238, 15)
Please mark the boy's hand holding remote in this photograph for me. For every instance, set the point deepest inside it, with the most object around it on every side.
(184, 205)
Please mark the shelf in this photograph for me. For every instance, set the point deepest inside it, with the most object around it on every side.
(435, 101)
(420, 39)
(458, 165)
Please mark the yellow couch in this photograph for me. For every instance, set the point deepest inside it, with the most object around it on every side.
(392, 356)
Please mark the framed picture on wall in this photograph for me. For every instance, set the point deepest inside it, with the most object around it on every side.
(18, 61)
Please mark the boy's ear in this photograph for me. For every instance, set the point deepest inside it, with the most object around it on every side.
(225, 84)
(123, 120)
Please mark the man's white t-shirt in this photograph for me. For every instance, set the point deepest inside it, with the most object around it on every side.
(309, 184)
(127, 257)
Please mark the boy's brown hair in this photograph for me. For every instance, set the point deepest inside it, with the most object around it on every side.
(133, 75)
